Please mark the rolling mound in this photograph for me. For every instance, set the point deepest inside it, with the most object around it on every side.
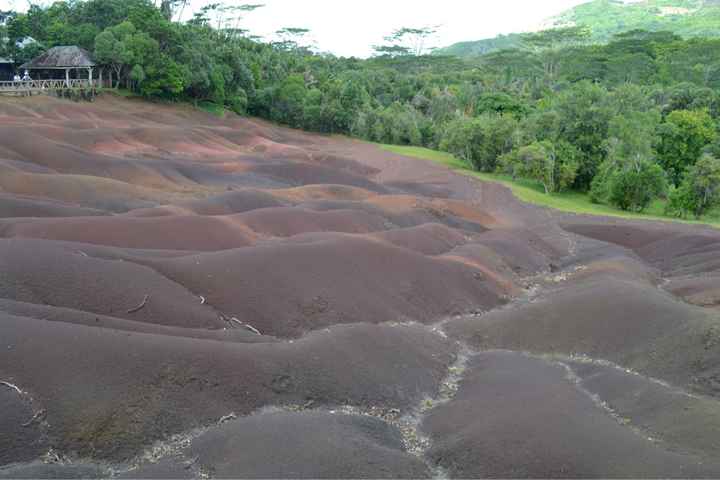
(195, 232)
(129, 390)
(289, 289)
(307, 445)
(563, 435)
(46, 274)
(19, 206)
(188, 296)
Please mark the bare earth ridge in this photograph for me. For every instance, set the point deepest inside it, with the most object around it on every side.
(184, 296)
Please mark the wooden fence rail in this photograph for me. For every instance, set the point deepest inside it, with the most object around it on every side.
(44, 86)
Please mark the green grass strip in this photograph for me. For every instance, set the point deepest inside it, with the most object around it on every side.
(532, 192)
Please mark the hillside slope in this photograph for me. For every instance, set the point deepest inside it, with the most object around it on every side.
(605, 18)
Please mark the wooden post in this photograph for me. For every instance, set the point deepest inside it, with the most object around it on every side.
(67, 77)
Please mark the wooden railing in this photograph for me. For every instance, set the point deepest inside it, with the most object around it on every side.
(45, 85)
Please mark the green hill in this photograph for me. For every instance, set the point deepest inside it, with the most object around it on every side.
(605, 18)
(481, 47)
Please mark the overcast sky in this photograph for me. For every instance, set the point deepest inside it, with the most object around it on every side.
(351, 27)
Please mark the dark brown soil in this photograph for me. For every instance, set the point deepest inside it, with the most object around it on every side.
(543, 426)
(306, 445)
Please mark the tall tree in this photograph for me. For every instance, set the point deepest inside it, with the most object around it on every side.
(407, 41)
(548, 45)
(630, 178)
(291, 38)
(682, 138)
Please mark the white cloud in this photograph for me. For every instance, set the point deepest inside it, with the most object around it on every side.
(351, 27)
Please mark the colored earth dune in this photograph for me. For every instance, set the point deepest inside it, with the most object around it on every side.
(185, 296)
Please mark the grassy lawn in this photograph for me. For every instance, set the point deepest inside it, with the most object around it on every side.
(120, 92)
(212, 108)
(205, 106)
(532, 192)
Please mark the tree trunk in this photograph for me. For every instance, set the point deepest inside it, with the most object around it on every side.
(118, 71)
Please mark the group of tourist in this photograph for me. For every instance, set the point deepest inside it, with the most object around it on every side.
(25, 78)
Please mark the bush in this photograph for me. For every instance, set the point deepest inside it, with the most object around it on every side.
(699, 190)
(481, 141)
(633, 189)
(553, 165)
(239, 102)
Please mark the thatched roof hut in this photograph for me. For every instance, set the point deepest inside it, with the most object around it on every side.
(67, 58)
(61, 58)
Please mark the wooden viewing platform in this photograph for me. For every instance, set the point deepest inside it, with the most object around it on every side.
(65, 59)
(51, 87)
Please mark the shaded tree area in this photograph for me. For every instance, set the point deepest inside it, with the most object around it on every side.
(628, 121)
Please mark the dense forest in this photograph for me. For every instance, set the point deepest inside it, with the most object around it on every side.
(629, 120)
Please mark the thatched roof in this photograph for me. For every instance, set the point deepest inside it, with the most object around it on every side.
(61, 57)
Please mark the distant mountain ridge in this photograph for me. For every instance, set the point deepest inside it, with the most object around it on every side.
(605, 18)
